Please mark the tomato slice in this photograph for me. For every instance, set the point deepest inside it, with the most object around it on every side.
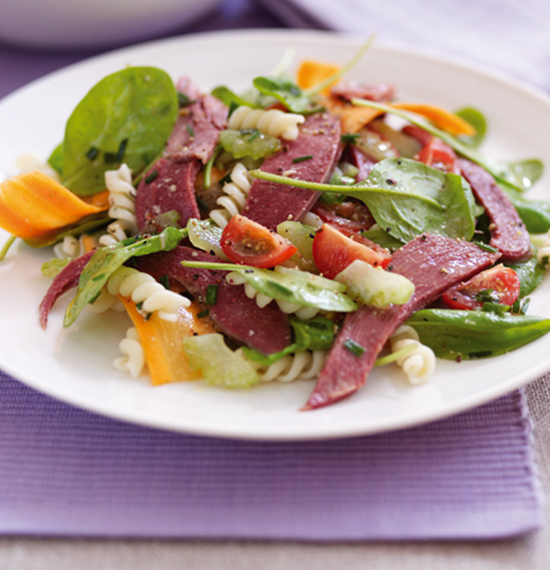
(440, 155)
(249, 243)
(497, 285)
(333, 251)
(348, 215)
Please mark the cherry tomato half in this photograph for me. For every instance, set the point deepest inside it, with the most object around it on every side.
(440, 155)
(348, 215)
(333, 251)
(497, 285)
(249, 243)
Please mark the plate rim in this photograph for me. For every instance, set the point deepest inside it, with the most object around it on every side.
(320, 432)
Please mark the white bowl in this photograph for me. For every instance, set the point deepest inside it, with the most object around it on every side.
(94, 23)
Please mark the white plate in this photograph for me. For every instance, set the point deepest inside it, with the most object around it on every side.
(74, 365)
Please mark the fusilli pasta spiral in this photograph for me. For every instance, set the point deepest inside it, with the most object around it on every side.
(122, 210)
(271, 122)
(236, 193)
(144, 290)
(301, 311)
(543, 253)
(419, 364)
(304, 365)
(133, 360)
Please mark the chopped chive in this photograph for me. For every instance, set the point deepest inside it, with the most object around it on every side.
(112, 157)
(165, 281)
(203, 206)
(354, 347)
(190, 130)
(486, 246)
(211, 294)
(151, 177)
(203, 314)
(184, 101)
(480, 354)
(139, 305)
(207, 178)
(302, 158)
(254, 136)
(92, 153)
(349, 137)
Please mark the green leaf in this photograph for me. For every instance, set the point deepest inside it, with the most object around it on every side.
(286, 92)
(249, 142)
(53, 267)
(126, 117)
(314, 334)
(383, 239)
(475, 334)
(478, 121)
(228, 97)
(290, 285)
(521, 174)
(535, 214)
(530, 275)
(56, 159)
(106, 260)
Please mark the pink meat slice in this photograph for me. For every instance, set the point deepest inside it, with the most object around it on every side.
(170, 183)
(433, 263)
(270, 204)
(66, 279)
(508, 232)
(267, 329)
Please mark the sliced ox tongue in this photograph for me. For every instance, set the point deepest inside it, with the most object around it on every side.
(433, 263)
(270, 204)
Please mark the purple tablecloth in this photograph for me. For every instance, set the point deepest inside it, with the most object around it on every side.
(64, 471)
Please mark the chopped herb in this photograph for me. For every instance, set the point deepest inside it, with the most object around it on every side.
(92, 153)
(203, 206)
(165, 282)
(255, 135)
(139, 306)
(354, 347)
(203, 314)
(190, 130)
(350, 137)
(184, 101)
(302, 158)
(151, 177)
(114, 158)
(211, 294)
(480, 354)
(487, 296)
(486, 246)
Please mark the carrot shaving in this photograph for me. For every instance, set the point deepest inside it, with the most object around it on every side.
(34, 206)
(441, 118)
(311, 73)
(162, 341)
(352, 118)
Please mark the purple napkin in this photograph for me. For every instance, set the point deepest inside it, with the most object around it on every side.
(64, 471)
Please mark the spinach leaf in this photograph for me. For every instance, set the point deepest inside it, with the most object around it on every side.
(314, 334)
(475, 334)
(289, 94)
(535, 214)
(499, 170)
(521, 174)
(126, 117)
(230, 98)
(290, 285)
(406, 198)
(56, 159)
(106, 260)
(477, 120)
(530, 275)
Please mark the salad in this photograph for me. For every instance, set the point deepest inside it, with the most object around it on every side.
(303, 229)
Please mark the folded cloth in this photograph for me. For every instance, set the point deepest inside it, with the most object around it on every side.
(503, 35)
(64, 471)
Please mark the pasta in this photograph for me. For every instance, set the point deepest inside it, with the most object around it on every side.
(419, 364)
(301, 311)
(273, 122)
(300, 366)
(122, 210)
(543, 253)
(133, 360)
(236, 193)
(144, 290)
